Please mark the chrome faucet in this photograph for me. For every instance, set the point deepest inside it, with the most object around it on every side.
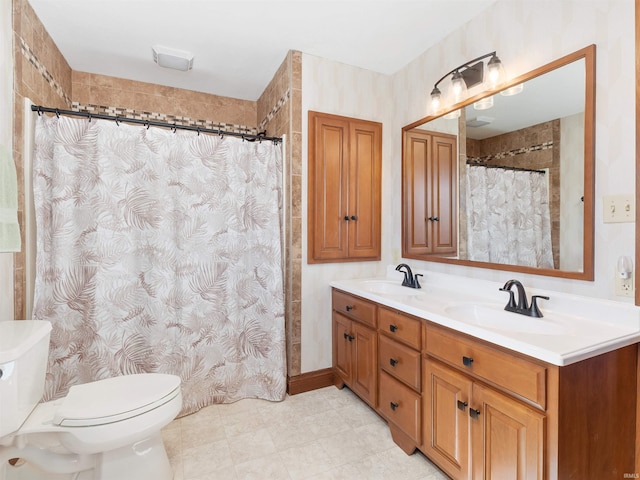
(410, 280)
(522, 307)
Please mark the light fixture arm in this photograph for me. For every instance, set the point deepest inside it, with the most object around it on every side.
(464, 65)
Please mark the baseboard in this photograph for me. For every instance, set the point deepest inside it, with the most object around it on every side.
(306, 382)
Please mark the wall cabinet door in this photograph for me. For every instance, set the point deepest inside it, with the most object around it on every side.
(355, 351)
(446, 400)
(430, 194)
(345, 159)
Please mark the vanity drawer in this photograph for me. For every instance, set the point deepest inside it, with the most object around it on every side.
(354, 307)
(399, 361)
(400, 405)
(513, 374)
(401, 327)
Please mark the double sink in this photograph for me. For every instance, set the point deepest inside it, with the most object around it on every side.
(572, 328)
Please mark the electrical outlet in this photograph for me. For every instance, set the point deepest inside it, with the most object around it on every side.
(619, 208)
(624, 286)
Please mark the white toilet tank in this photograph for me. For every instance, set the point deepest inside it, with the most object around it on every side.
(24, 348)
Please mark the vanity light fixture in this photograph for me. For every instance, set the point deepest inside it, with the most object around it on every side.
(469, 75)
(516, 89)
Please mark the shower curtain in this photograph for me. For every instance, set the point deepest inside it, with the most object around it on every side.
(160, 251)
(508, 217)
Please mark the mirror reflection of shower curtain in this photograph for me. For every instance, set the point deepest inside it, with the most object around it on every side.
(160, 251)
(508, 217)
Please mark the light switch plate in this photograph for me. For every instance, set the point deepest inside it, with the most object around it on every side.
(619, 208)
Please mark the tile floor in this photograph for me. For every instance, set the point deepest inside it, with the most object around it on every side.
(325, 434)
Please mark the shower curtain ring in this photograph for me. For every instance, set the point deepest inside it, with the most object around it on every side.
(57, 113)
(174, 128)
(198, 130)
(117, 121)
(89, 115)
(147, 124)
(39, 111)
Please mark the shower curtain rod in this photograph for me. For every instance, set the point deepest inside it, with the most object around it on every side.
(150, 123)
(504, 167)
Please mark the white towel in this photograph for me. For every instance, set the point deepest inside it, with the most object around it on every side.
(9, 228)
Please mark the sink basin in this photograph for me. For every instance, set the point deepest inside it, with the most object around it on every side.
(387, 287)
(496, 318)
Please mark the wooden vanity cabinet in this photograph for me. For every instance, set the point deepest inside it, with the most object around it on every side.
(492, 413)
(430, 186)
(345, 165)
(355, 345)
(480, 411)
(400, 386)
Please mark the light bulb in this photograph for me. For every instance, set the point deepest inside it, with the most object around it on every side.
(458, 87)
(484, 103)
(495, 72)
(435, 99)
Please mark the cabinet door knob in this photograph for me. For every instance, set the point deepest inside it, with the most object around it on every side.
(348, 308)
(436, 219)
(346, 217)
(473, 413)
(393, 328)
(393, 406)
(467, 361)
(354, 217)
(462, 405)
(349, 337)
(393, 362)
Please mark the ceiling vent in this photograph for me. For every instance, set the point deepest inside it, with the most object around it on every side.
(172, 58)
(479, 121)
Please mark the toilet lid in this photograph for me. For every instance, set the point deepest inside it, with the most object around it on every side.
(115, 399)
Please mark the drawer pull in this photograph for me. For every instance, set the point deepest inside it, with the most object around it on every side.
(349, 337)
(393, 362)
(473, 413)
(462, 405)
(467, 361)
(393, 406)
(393, 328)
(348, 308)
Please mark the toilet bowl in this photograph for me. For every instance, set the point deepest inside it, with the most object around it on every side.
(103, 430)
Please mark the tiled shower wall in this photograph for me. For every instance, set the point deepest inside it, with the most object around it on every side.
(42, 74)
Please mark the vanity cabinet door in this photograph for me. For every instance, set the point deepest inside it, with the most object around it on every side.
(507, 437)
(355, 356)
(446, 400)
(365, 355)
(342, 348)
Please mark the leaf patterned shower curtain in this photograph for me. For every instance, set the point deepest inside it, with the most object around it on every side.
(508, 217)
(160, 251)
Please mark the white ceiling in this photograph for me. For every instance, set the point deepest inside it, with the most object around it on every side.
(238, 45)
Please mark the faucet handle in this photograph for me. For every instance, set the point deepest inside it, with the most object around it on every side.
(534, 311)
(416, 283)
(511, 305)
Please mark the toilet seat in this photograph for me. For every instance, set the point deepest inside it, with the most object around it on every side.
(115, 399)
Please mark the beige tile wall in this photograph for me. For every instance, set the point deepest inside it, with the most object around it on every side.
(285, 90)
(43, 75)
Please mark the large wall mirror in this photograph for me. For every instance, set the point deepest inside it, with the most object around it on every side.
(510, 187)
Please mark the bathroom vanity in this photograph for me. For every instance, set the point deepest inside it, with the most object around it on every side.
(481, 397)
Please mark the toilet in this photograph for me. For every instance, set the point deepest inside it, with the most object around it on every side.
(104, 430)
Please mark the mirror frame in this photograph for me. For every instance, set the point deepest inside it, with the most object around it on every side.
(589, 56)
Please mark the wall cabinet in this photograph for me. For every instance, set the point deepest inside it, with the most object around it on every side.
(345, 160)
(429, 183)
(480, 411)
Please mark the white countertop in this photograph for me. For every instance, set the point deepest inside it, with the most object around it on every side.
(573, 328)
